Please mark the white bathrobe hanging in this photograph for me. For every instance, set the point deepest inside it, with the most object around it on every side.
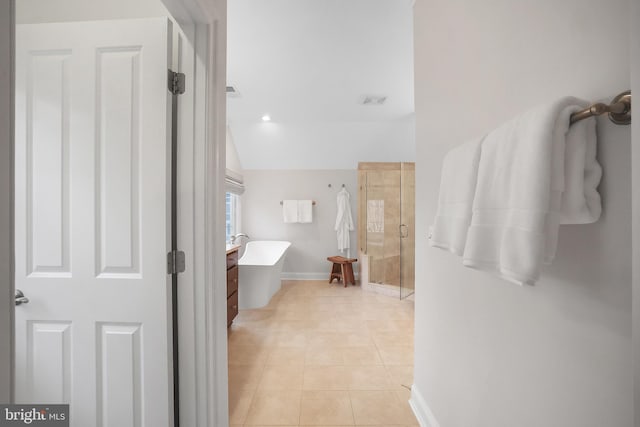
(344, 221)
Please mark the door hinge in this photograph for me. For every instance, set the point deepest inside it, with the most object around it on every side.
(176, 83)
(175, 262)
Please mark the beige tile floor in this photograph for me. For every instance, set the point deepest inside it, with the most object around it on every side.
(322, 355)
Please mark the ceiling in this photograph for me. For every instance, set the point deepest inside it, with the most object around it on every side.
(308, 64)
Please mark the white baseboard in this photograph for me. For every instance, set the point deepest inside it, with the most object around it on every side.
(307, 276)
(304, 276)
(421, 409)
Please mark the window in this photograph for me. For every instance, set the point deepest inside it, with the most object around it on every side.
(232, 215)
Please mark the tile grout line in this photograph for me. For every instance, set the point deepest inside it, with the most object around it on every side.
(300, 405)
(353, 413)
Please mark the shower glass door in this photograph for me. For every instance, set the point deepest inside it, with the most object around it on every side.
(383, 224)
(387, 221)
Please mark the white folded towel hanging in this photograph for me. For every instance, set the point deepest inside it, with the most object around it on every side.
(305, 211)
(530, 169)
(290, 211)
(581, 202)
(457, 189)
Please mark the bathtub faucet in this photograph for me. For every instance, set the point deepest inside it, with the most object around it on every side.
(237, 236)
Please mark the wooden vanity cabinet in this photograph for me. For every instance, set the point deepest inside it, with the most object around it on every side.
(232, 285)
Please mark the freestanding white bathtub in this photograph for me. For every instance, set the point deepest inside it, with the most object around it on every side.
(259, 274)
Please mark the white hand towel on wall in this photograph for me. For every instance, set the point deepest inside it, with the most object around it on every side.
(344, 220)
(518, 198)
(457, 188)
(290, 211)
(305, 211)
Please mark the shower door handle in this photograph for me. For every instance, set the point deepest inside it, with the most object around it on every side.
(403, 235)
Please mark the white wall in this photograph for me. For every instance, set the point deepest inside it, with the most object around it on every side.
(489, 353)
(323, 145)
(6, 204)
(311, 243)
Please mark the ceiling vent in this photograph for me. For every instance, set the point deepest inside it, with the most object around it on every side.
(373, 100)
(232, 92)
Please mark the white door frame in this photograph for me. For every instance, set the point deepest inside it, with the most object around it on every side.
(208, 18)
(207, 289)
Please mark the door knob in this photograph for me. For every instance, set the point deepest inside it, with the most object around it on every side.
(20, 298)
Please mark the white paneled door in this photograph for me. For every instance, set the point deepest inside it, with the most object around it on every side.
(92, 220)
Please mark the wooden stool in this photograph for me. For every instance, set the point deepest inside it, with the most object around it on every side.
(342, 269)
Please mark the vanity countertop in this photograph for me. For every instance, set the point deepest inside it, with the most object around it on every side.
(232, 248)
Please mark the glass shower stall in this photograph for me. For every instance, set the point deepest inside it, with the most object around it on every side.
(386, 227)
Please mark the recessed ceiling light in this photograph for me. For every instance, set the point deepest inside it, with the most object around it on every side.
(266, 118)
